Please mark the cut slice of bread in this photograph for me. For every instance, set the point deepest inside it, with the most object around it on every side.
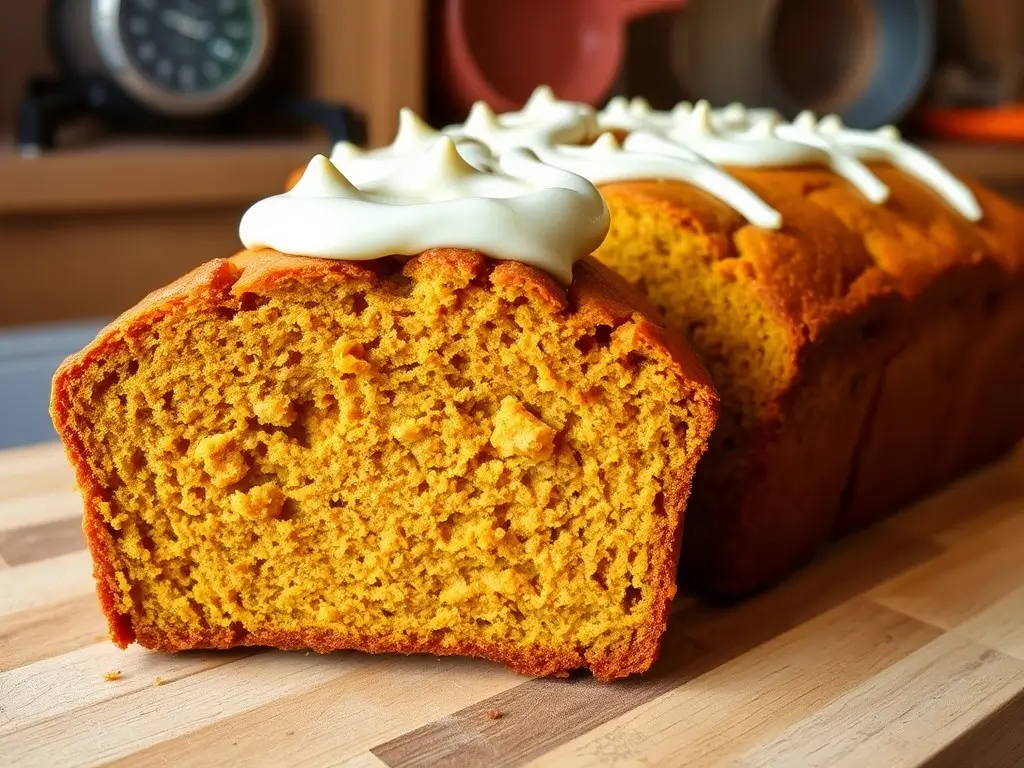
(448, 455)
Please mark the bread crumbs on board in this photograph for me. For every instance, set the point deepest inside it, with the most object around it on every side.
(112, 675)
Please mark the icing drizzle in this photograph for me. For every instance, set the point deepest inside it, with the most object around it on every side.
(645, 155)
(735, 135)
(690, 136)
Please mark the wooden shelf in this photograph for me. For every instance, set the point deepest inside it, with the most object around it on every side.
(147, 175)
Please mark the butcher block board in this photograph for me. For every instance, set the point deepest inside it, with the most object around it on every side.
(902, 646)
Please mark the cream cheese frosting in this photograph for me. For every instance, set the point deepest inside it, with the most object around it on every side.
(645, 155)
(627, 115)
(636, 114)
(518, 209)
(414, 136)
(696, 134)
(544, 121)
(744, 137)
(520, 185)
(886, 145)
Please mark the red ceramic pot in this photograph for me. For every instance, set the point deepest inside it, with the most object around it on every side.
(499, 51)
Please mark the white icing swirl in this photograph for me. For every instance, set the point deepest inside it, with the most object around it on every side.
(543, 122)
(886, 144)
(753, 145)
(759, 138)
(521, 210)
(413, 138)
(841, 161)
(645, 155)
(636, 114)
(736, 116)
(627, 115)
(731, 136)
(735, 135)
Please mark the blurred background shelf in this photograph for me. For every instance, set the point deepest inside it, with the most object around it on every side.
(147, 175)
(90, 227)
(150, 175)
(994, 164)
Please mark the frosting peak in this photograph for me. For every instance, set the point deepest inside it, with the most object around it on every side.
(698, 122)
(413, 138)
(482, 119)
(322, 179)
(544, 121)
(412, 130)
(541, 98)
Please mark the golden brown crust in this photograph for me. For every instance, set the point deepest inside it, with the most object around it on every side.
(810, 274)
(837, 252)
(596, 297)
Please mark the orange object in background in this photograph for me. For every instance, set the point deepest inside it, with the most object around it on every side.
(499, 52)
(1003, 123)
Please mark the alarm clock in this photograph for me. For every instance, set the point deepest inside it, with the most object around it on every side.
(183, 60)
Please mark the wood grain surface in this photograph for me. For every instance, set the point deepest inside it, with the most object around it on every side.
(902, 646)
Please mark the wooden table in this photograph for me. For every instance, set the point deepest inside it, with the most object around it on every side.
(903, 646)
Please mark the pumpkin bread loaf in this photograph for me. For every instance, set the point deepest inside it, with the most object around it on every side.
(861, 309)
(447, 455)
(867, 350)
(865, 354)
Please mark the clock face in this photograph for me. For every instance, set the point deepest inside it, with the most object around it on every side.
(187, 46)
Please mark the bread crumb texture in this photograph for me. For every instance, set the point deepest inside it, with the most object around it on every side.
(419, 460)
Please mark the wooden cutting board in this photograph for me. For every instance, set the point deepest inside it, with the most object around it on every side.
(902, 646)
